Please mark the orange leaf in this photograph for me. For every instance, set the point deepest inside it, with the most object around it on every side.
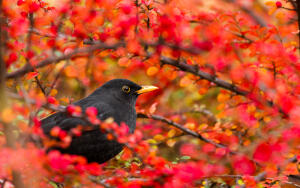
(223, 97)
(202, 90)
(53, 92)
(185, 81)
(272, 10)
(31, 75)
(270, 3)
(190, 125)
(70, 71)
(7, 115)
(124, 62)
(151, 71)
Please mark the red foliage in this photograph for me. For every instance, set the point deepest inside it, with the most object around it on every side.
(263, 152)
(228, 73)
(243, 165)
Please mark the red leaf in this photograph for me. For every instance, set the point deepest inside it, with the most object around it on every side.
(243, 165)
(29, 54)
(20, 2)
(12, 58)
(33, 7)
(263, 152)
(203, 45)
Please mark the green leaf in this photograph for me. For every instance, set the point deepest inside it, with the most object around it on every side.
(185, 157)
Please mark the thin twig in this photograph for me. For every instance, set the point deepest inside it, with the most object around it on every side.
(212, 78)
(40, 86)
(100, 182)
(57, 77)
(203, 75)
(291, 9)
(164, 60)
(182, 128)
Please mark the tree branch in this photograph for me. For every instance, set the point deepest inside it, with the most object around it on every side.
(8, 129)
(203, 75)
(76, 52)
(212, 78)
(291, 9)
(164, 60)
(182, 128)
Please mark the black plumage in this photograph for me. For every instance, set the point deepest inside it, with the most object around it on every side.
(116, 99)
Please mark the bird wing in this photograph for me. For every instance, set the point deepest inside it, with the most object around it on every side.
(66, 122)
(92, 144)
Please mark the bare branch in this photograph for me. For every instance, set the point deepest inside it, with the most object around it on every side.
(212, 78)
(164, 60)
(182, 128)
(74, 53)
(291, 9)
(8, 129)
(203, 75)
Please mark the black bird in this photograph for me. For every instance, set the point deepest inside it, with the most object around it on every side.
(116, 98)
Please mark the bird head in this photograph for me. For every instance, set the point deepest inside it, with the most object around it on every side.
(125, 90)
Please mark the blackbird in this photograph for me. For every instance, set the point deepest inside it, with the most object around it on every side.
(116, 99)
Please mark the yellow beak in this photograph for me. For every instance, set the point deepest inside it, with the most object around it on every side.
(146, 89)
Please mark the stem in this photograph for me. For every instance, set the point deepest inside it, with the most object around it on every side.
(183, 129)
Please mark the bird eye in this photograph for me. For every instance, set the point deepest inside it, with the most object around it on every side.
(126, 89)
